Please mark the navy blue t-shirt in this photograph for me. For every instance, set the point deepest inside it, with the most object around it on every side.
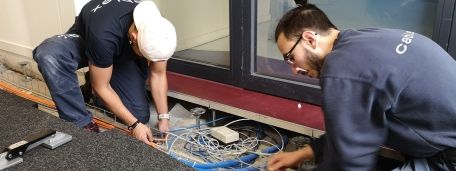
(104, 24)
(385, 87)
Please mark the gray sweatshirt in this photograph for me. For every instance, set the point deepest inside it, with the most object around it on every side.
(385, 87)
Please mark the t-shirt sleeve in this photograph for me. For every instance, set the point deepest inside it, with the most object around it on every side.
(355, 125)
(102, 46)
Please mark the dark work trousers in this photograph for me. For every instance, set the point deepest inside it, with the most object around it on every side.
(442, 161)
(59, 57)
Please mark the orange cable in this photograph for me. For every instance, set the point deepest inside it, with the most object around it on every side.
(49, 103)
(26, 95)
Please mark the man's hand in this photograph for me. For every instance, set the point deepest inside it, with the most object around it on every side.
(283, 160)
(163, 125)
(143, 133)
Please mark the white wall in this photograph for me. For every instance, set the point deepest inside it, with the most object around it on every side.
(78, 4)
(25, 23)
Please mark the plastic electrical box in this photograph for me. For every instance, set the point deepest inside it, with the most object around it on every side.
(225, 134)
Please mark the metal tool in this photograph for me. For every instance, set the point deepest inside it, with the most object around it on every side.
(197, 112)
(51, 139)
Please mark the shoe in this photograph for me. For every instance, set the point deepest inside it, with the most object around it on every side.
(92, 127)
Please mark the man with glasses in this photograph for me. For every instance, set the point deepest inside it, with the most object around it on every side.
(380, 87)
(124, 43)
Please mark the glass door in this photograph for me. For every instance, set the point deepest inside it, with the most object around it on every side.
(231, 42)
(203, 37)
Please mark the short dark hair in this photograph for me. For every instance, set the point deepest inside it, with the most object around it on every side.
(301, 18)
(301, 2)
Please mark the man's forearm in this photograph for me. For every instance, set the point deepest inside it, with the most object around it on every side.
(115, 105)
(306, 153)
(159, 90)
(100, 84)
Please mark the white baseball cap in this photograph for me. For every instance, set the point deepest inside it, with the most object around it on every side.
(156, 35)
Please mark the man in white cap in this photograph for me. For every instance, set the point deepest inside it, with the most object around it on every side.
(124, 43)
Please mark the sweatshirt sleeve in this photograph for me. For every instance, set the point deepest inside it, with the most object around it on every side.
(317, 148)
(355, 125)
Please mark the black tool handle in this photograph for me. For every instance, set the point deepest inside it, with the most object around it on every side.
(19, 148)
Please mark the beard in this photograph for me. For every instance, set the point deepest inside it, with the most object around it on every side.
(314, 61)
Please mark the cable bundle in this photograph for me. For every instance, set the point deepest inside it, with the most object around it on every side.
(215, 155)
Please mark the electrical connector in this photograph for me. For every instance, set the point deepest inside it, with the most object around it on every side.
(225, 134)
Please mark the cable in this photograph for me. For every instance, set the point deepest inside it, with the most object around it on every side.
(236, 121)
(228, 163)
(194, 126)
(199, 143)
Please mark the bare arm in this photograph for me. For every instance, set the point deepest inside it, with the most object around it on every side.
(100, 78)
(100, 83)
(159, 89)
(283, 160)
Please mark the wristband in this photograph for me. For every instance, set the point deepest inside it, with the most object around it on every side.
(163, 116)
(133, 126)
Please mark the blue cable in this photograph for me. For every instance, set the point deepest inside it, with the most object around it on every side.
(229, 163)
(242, 169)
(223, 164)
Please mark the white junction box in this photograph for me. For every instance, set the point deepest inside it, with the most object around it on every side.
(225, 134)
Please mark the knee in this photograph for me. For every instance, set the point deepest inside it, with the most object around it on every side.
(47, 64)
(44, 54)
(49, 61)
(42, 58)
(50, 55)
(50, 50)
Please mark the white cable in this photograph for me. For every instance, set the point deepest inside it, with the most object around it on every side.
(281, 138)
(202, 145)
(236, 121)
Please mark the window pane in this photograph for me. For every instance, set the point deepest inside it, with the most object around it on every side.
(414, 15)
(202, 28)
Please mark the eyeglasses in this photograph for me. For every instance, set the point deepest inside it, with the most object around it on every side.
(302, 71)
(288, 58)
